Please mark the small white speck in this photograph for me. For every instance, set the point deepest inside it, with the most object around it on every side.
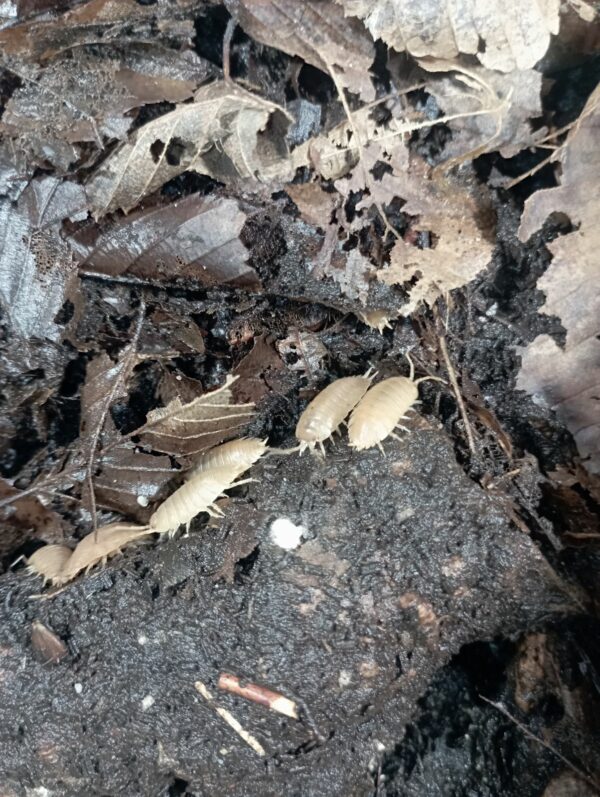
(379, 746)
(224, 751)
(286, 534)
(38, 791)
(142, 639)
(142, 500)
(147, 702)
(78, 688)
(344, 678)
(491, 311)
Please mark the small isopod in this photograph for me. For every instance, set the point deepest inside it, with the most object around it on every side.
(196, 495)
(239, 455)
(59, 564)
(49, 562)
(382, 408)
(328, 410)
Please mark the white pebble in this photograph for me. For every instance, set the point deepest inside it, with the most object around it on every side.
(344, 678)
(286, 534)
(147, 702)
(142, 639)
(79, 688)
(142, 500)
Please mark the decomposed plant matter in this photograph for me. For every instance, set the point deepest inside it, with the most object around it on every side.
(328, 410)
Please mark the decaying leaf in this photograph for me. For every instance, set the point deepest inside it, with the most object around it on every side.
(303, 351)
(352, 273)
(317, 32)
(314, 204)
(451, 240)
(97, 21)
(188, 429)
(254, 369)
(196, 237)
(226, 133)
(568, 379)
(84, 96)
(49, 647)
(30, 516)
(513, 100)
(129, 480)
(503, 36)
(36, 268)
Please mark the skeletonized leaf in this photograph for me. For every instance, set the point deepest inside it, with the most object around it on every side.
(187, 429)
(197, 238)
(226, 133)
(317, 32)
(515, 35)
(36, 268)
(568, 379)
(457, 224)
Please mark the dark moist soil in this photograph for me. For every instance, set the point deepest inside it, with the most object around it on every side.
(405, 562)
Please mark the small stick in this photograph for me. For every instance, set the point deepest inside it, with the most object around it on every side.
(227, 37)
(524, 729)
(457, 393)
(230, 720)
(258, 694)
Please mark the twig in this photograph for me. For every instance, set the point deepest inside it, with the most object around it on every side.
(227, 37)
(125, 368)
(457, 394)
(230, 720)
(258, 694)
(525, 730)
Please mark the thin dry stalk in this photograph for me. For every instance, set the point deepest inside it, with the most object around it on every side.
(230, 720)
(457, 394)
(524, 729)
(258, 694)
(127, 364)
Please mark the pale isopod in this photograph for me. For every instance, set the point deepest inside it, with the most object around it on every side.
(197, 495)
(328, 410)
(98, 547)
(49, 561)
(382, 408)
(239, 455)
(59, 564)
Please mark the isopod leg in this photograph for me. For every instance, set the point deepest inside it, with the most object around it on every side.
(380, 447)
(322, 447)
(404, 429)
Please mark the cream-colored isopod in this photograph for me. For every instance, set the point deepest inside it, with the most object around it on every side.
(382, 408)
(239, 455)
(328, 410)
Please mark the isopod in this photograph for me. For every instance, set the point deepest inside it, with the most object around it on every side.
(239, 455)
(59, 564)
(196, 495)
(99, 546)
(328, 410)
(49, 562)
(383, 407)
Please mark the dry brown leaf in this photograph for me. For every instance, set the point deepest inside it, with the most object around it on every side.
(458, 225)
(188, 429)
(254, 369)
(513, 100)
(504, 36)
(36, 268)
(84, 97)
(129, 480)
(568, 379)
(30, 516)
(98, 21)
(317, 32)
(314, 204)
(196, 238)
(226, 133)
